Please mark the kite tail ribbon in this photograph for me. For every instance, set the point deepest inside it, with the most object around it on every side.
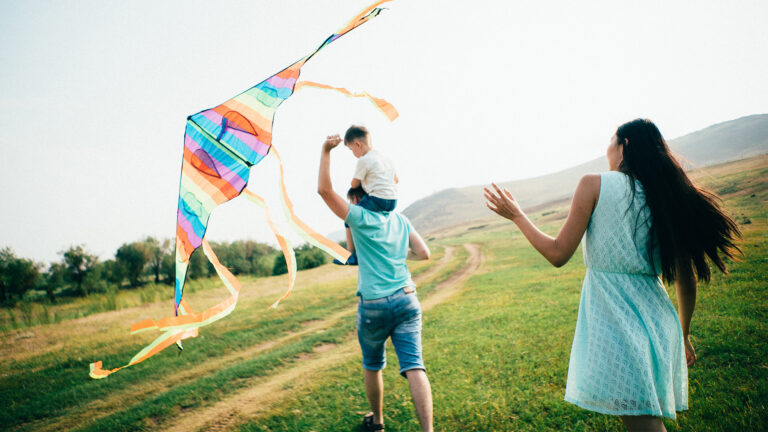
(183, 326)
(285, 245)
(382, 105)
(301, 228)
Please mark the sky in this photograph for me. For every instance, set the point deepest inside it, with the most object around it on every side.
(94, 97)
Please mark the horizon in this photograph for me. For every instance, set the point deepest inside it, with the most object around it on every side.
(95, 97)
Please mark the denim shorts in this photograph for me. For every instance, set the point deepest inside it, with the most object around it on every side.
(372, 203)
(397, 316)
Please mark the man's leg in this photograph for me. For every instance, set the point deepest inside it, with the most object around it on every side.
(372, 333)
(421, 392)
(643, 423)
(406, 337)
(374, 388)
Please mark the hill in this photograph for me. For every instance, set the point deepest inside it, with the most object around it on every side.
(722, 142)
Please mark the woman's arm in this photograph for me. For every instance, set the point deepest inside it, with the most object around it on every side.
(556, 250)
(685, 286)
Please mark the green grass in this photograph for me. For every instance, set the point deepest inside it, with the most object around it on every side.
(497, 353)
(29, 314)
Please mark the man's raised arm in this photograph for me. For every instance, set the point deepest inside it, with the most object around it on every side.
(334, 201)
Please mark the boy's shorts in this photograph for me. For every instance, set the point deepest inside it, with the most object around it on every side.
(397, 316)
(376, 204)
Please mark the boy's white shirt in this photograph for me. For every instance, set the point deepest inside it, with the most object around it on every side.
(377, 175)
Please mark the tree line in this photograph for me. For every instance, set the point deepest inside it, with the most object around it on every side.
(79, 272)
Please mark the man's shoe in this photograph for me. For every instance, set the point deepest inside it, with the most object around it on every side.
(369, 426)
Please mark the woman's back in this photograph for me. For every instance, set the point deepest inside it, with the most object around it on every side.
(616, 239)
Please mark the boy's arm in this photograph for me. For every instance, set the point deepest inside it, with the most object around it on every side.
(397, 180)
(334, 201)
(361, 170)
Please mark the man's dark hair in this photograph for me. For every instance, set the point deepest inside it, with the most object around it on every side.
(356, 132)
(357, 192)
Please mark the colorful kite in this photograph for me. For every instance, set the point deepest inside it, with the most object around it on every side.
(221, 145)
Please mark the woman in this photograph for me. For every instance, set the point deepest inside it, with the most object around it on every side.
(643, 218)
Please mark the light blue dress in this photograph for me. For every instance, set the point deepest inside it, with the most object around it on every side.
(627, 356)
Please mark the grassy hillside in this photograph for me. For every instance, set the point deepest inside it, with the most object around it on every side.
(498, 324)
(723, 142)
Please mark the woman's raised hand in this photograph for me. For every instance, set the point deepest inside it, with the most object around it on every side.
(502, 202)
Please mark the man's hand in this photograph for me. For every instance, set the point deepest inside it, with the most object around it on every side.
(334, 201)
(331, 142)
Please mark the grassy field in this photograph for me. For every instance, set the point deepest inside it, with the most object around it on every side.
(496, 342)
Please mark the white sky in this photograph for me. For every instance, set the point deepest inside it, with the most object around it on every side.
(94, 97)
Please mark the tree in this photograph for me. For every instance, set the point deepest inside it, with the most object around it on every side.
(132, 257)
(280, 267)
(308, 256)
(157, 251)
(199, 267)
(54, 279)
(168, 269)
(263, 265)
(113, 272)
(79, 263)
(17, 275)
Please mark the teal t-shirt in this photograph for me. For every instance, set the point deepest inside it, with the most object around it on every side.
(381, 245)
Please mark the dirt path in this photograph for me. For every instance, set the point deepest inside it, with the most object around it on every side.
(112, 326)
(254, 400)
(116, 400)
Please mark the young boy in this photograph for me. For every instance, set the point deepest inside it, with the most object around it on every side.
(375, 173)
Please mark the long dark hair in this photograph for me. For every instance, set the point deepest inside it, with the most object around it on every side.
(688, 222)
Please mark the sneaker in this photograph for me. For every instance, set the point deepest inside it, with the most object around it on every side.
(369, 426)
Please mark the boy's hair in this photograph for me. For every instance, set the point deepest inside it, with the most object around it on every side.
(357, 192)
(356, 132)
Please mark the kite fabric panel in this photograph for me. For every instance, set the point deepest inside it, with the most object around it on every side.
(221, 145)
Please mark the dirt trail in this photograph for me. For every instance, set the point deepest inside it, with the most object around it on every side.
(116, 401)
(19, 345)
(254, 400)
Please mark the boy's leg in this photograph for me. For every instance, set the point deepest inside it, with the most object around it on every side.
(421, 392)
(374, 389)
(352, 260)
(377, 204)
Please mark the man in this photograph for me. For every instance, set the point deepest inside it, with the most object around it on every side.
(388, 306)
